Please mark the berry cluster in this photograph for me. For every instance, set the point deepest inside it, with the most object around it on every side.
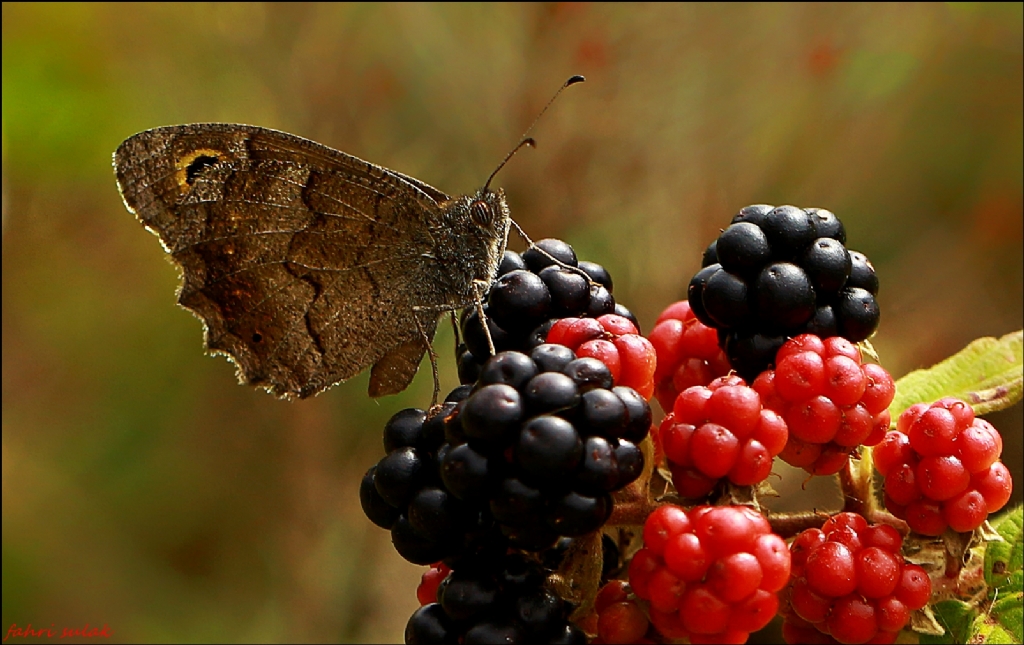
(850, 582)
(522, 460)
(494, 600)
(688, 353)
(710, 574)
(616, 342)
(720, 431)
(831, 401)
(941, 467)
(779, 272)
(542, 440)
(530, 293)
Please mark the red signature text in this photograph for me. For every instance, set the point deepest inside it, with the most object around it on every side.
(28, 631)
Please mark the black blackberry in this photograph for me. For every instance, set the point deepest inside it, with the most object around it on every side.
(530, 293)
(530, 453)
(546, 438)
(502, 599)
(777, 272)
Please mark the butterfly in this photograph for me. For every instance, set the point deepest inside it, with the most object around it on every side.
(307, 265)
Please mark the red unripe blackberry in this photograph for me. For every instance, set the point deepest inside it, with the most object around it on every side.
(686, 556)
(966, 511)
(734, 577)
(688, 353)
(664, 590)
(831, 570)
(924, 516)
(891, 614)
(755, 612)
(915, 588)
(727, 427)
(941, 467)
(852, 620)
(830, 400)
(941, 477)
(877, 572)
(979, 446)
(850, 583)
(774, 557)
(710, 574)
(703, 612)
(668, 625)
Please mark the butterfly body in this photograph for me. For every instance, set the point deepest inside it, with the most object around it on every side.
(307, 265)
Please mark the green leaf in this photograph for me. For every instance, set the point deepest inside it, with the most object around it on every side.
(957, 618)
(988, 374)
(1003, 559)
(1008, 614)
(1003, 621)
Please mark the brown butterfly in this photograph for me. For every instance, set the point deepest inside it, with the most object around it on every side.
(307, 265)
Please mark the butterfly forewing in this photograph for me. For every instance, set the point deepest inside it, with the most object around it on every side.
(306, 265)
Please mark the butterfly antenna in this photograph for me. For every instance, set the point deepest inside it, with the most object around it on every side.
(528, 141)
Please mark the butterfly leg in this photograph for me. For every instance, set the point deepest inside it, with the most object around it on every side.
(456, 331)
(479, 289)
(433, 362)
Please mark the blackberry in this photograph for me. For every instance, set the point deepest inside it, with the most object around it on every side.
(503, 599)
(777, 272)
(530, 293)
(530, 453)
(544, 438)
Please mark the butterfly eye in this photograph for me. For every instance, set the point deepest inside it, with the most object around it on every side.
(198, 165)
(480, 212)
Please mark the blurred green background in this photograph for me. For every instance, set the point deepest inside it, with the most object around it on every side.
(144, 489)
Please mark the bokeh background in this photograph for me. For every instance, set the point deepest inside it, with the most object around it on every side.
(144, 489)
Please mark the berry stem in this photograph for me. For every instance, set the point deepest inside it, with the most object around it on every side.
(856, 486)
(787, 525)
(632, 506)
(857, 482)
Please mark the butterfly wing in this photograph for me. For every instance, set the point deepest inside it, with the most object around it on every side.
(306, 265)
